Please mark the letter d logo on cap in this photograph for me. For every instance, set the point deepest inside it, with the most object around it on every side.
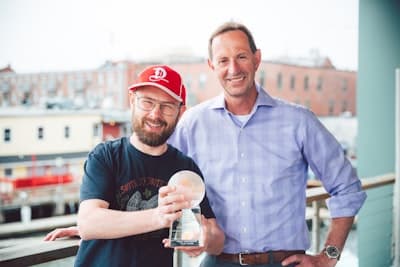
(159, 74)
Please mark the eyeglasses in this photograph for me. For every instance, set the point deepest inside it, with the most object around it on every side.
(148, 104)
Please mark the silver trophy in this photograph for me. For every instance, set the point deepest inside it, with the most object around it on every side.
(186, 231)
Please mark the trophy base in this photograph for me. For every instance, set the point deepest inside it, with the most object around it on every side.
(185, 243)
(186, 231)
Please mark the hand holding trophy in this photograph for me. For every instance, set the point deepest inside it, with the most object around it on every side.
(186, 231)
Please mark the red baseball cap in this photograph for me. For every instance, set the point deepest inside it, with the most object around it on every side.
(163, 77)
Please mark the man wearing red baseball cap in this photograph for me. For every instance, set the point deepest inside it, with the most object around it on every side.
(165, 79)
(126, 205)
(155, 128)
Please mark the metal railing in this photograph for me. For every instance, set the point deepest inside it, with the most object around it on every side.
(37, 252)
(316, 195)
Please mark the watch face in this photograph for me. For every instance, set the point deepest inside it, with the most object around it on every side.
(332, 252)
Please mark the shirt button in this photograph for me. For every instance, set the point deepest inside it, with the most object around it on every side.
(242, 155)
(244, 179)
(243, 203)
(244, 230)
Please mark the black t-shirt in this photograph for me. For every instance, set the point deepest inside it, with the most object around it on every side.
(128, 180)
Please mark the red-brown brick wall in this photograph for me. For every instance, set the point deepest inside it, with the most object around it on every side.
(337, 92)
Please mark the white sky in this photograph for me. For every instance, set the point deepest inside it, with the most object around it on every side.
(61, 35)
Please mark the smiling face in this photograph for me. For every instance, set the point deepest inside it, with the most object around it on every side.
(234, 63)
(152, 127)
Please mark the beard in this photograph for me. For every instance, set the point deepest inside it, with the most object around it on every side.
(150, 138)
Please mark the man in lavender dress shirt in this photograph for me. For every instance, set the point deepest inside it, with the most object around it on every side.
(254, 151)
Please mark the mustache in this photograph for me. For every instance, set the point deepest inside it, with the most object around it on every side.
(156, 121)
(235, 75)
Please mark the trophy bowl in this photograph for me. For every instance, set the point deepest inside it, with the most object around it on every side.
(189, 184)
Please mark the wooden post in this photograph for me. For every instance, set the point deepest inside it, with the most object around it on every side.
(25, 209)
(316, 222)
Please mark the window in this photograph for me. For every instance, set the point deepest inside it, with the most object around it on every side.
(344, 85)
(96, 130)
(306, 81)
(110, 79)
(6, 99)
(319, 83)
(66, 132)
(5, 86)
(26, 98)
(279, 81)
(331, 107)
(8, 172)
(100, 79)
(292, 82)
(7, 135)
(344, 106)
(40, 133)
(51, 85)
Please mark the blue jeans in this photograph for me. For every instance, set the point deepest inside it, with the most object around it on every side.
(212, 261)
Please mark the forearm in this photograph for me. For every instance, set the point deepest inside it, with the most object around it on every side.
(338, 231)
(104, 223)
(216, 239)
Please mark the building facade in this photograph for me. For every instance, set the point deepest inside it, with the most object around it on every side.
(104, 88)
(312, 83)
(40, 149)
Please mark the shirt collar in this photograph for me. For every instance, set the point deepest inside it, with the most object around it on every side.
(218, 102)
(263, 98)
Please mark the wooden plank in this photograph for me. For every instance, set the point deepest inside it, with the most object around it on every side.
(319, 193)
(315, 194)
(313, 183)
(378, 181)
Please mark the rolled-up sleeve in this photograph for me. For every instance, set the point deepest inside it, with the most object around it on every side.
(327, 160)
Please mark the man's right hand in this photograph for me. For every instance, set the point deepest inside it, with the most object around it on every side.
(170, 205)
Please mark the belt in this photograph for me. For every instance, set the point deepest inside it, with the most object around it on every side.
(245, 258)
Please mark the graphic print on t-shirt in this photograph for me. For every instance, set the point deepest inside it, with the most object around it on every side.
(139, 194)
(136, 202)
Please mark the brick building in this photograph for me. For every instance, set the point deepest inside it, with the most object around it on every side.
(323, 89)
(312, 82)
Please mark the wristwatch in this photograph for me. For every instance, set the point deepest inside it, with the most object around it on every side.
(332, 252)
